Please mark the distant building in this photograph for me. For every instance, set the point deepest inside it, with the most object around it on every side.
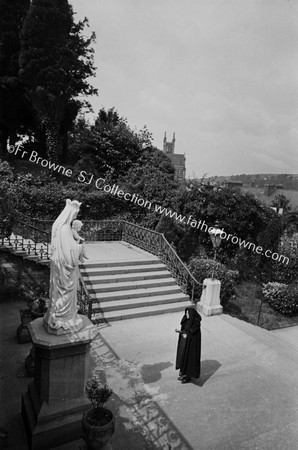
(233, 184)
(178, 160)
(268, 193)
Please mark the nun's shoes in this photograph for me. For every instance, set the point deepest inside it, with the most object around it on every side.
(186, 380)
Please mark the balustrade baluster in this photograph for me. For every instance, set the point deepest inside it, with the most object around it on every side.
(35, 247)
(16, 243)
(22, 243)
(89, 302)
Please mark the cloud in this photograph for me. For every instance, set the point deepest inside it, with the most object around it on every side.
(221, 73)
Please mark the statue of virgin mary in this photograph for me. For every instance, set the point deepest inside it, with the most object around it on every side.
(62, 315)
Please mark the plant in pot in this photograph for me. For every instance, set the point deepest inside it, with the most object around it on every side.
(98, 423)
(40, 304)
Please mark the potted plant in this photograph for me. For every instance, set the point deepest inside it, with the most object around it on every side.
(98, 422)
(39, 307)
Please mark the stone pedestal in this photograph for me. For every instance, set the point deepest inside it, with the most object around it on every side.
(210, 298)
(53, 406)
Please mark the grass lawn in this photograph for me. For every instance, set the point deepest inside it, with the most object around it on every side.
(245, 305)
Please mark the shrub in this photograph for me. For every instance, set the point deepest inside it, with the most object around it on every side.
(286, 271)
(282, 297)
(35, 297)
(98, 394)
(46, 201)
(203, 268)
(8, 199)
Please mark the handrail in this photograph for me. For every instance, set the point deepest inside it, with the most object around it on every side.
(178, 257)
(158, 245)
(84, 297)
(26, 238)
(173, 250)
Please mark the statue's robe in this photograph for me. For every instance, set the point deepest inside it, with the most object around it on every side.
(64, 275)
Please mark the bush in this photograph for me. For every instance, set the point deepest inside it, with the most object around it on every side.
(282, 297)
(286, 271)
(98, 394)
(8, 199)
(203, 268)
(46, 201)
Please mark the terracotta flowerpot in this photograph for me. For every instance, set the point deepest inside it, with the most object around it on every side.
(98, 436)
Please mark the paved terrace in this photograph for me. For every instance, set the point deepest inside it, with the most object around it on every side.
(245, 399)
(111, 251)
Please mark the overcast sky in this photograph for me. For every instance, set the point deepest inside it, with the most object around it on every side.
(222, 74)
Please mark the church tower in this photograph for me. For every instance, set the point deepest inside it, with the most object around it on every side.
(178, 160)
(168, 147)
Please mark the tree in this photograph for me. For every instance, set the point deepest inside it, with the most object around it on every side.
(8, 198)
(109, 147)
(152, 176)
(55, 63)
(119, 146)
(280, 201)
(15, 111)
(239, 214)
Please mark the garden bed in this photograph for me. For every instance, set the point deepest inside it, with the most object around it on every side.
(245, 305)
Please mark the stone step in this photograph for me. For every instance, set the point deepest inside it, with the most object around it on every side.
(138, 302)
(122, 269)
(20, 252)
(139, 312)
(268, 338)
(118, 278)
(124, 286)
(134, 293)
(87, 265)
(32, 257)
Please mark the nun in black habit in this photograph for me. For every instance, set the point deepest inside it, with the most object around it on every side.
(188, 358)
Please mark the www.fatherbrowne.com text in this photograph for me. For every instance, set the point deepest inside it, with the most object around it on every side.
(100, 184)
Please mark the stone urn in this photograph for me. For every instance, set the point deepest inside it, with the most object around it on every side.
(98, 435)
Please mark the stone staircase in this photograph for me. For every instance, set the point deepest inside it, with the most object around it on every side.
(27, 249)
(128, 289)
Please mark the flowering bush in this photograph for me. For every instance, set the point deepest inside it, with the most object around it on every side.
(282, 297)
(203, 268)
